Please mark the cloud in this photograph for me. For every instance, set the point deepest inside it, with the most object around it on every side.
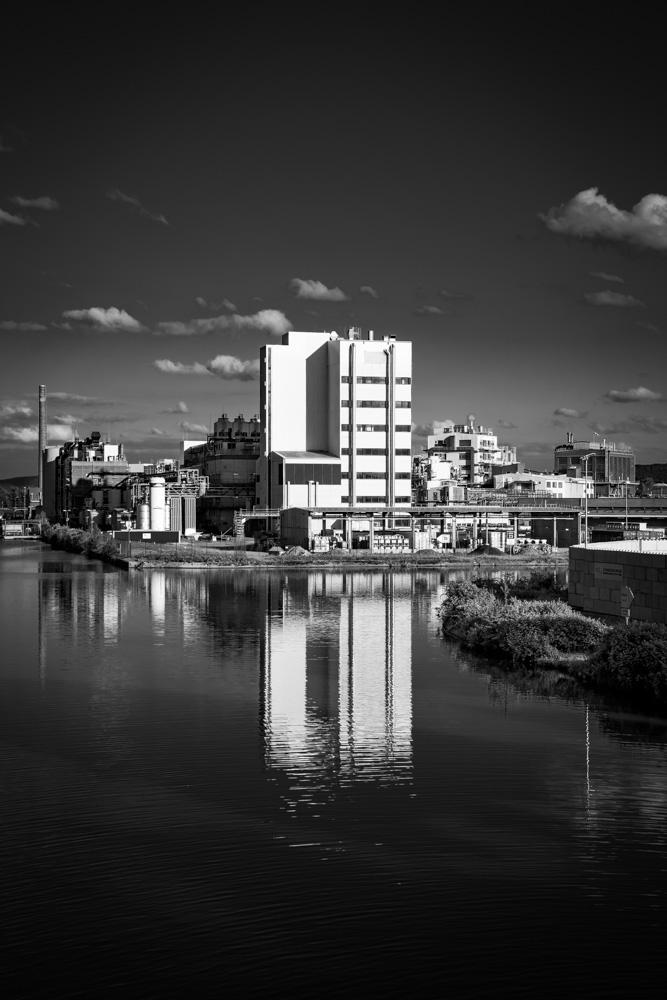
(608, 298)
(564, 411)
(178, 368)
(14, 409)
(48, 204)
(648, 326)
(225, 304)
(10, 324)
(430, 311)
(369, 290)
(445, 294)
(606, 277)
(156, 432)
(179, 408)
(310, 289)
(68, 397)
(636, 395)
(227, 367)
(193, 428)
(6, 219)
(507, 424)
(269, 320)
(634, 423)
(589, 216)
(30, 435)
(223, 366)
(136, 205)
(105, 320)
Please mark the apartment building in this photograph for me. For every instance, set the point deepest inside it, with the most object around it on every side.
(473, 451)
(336, 421)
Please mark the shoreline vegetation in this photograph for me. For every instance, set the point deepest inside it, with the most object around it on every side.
(528, 627)
(198, 555)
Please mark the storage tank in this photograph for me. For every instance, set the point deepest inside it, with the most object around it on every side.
(143, 517)
(158, 503)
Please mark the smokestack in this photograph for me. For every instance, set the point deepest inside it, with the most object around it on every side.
(43, 436)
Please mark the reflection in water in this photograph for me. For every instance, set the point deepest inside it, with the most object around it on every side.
(336, 679)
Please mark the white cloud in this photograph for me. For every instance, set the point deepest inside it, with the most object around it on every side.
(178, 368)
(6, 219)
(269, 320)
(636, 395)
(223, 366)
(10, 324)
(369, 290)
(310, 289)
(193, 428)
(648, 326)
(68, 397)
(608, 298)
(564, 411)
(134, 203)
(105, 320)
(507, 424)
(156, 432)
(227, 367)
(29, 435)
(590, 216)
(48, 204)
(225, 304)
(445, 294)
(606, 277)
(634, 423)
(12, 409)
(429, 311)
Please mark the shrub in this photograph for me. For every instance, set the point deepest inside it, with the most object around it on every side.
(632, 659)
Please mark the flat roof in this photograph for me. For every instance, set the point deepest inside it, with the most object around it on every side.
(317, 457)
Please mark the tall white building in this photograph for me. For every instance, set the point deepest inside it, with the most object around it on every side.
(336, 421)
(472, 451)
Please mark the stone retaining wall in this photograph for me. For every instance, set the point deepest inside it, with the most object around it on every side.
(598, 573)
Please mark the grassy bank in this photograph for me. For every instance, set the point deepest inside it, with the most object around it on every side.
(538, 631)
(92, 543)
(203, 555)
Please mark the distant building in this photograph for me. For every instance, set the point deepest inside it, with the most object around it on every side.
(547, 484)
(73, 469)
(228, 458)
(473, 451)
(611, 467)
(336, 421)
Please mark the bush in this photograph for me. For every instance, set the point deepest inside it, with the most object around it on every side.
(633, 659)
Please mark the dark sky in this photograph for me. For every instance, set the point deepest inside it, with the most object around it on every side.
(181, 190)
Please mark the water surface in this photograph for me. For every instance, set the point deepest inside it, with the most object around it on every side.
(258, 782)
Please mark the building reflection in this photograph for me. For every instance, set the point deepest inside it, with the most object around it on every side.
(336, 680)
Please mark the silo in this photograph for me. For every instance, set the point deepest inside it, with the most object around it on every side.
(49, 464)
(143, 517)
(157, 503)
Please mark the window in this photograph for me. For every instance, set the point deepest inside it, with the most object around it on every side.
(299, 474)
(372, 427)
(403, 381)
(371, 475)
(403, 427)
(345, 427)
(345, 378)
(375, 499)
(366, 451)
(403, 475)
(403, 499)
(403, 404)
(402, 451)
(377, 403)
(344, 499)
(371, 380)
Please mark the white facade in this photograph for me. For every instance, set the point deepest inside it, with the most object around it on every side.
(336, 421)
(555, 486)
(471, 450)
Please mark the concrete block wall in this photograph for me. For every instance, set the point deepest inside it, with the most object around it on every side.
(598, 572)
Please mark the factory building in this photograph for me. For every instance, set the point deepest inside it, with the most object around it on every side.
(473, 452)
(612, 468)
(335, 420)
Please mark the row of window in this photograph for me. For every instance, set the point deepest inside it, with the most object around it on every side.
(400, 428)
(375, 380)
(375, 499)
(400, 404)
(375, 451)
(376, 475)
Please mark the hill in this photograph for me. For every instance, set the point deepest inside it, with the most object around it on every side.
(18, 482)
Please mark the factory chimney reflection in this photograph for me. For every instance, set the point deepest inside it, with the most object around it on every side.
(336, 699)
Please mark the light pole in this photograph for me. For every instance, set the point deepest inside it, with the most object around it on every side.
(627, 484)
(584, 458)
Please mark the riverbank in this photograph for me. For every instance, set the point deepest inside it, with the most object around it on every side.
(545, 635)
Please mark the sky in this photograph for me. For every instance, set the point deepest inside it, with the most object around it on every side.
(176, 193)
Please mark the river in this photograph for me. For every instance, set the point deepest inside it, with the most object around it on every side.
(255, 782)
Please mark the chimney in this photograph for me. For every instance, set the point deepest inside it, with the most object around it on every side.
(43, 437)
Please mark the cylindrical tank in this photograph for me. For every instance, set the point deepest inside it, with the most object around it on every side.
(143, 517)
(157, 503)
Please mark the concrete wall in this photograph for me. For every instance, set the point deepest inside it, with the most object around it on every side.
(599, 571)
